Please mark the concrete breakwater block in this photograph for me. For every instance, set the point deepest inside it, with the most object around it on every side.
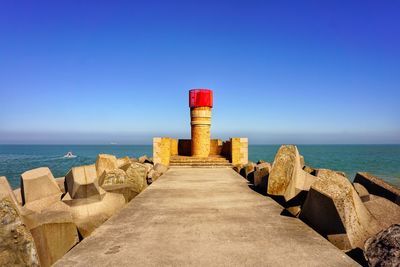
(287, 177)
(261, 174)
(53, 230)
(38, 184)
(48, 219)
(90, 204)
(17, 247)
(334, 209)
(378, 187)
(105, 162)
(82, 182)
(129, 181)
(123, 162)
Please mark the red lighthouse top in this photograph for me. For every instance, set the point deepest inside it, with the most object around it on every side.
(200, 98)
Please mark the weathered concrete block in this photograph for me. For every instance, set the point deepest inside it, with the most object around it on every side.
(89, 213)
(145, 159)
(116, 176)
(53, 230)
(248, 169)
(310, 170)
(82, 182)
(148, 166)
(136, 176)
(153, 175)
(105, 162)
(287, 178)
(361, 191)
(90, 204)
(161, 168)
(123, 162)
(383, 249)
(261, 174)
(377, 186)
(384, 210)
(61, 184)
(126, 190)
(38, 184)
(17, 247)
(334, 209)
(17, 194)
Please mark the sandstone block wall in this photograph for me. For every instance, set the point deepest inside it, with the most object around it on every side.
(161, 150)
(239, 150)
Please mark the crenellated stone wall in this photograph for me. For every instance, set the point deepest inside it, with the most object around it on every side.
(239, 150)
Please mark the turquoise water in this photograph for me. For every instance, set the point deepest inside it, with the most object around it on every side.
(381, 160)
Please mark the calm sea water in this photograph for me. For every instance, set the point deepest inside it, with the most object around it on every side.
(381, 160)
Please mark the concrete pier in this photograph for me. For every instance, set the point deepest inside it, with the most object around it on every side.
(203, 217)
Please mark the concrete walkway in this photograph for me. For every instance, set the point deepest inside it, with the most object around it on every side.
(203, 217)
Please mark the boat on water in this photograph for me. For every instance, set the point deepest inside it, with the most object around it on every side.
(69, 155)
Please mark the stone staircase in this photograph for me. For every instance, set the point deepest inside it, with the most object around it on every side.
(192, 162)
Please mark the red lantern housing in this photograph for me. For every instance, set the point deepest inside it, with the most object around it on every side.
(200, 98)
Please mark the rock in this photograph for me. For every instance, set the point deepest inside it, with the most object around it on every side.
(53, 230)
(334, 209)
(145, 159)
(379, 187)
(105, 162)
(287, 178)
(17, 247)
(261, 176)
(385, 211)
(260, 161)
(60, 182)
(383, 249)
(161, 168)
(90, 204)
(112, 177)
(361, 191)
(38, 184)
(82, 182)
(122, 162)
(153, 175)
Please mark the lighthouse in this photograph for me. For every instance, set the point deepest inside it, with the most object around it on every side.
(200, 103)
(200, 150)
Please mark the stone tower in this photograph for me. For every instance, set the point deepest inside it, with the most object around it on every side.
(200, 102)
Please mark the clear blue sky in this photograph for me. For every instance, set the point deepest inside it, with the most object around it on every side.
(119, 71)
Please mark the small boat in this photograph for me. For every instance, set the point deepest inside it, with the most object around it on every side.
(69, 155)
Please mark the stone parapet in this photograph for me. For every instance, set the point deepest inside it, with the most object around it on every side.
(161, 150)
(239, 150)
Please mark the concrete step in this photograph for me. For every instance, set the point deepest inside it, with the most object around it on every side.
(201, 165)
(194, 161)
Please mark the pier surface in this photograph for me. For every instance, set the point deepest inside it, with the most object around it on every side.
(203, 217)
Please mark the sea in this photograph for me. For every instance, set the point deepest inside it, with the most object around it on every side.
(380, 160)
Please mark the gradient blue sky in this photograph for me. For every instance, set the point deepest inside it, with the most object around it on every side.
(118, 71)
